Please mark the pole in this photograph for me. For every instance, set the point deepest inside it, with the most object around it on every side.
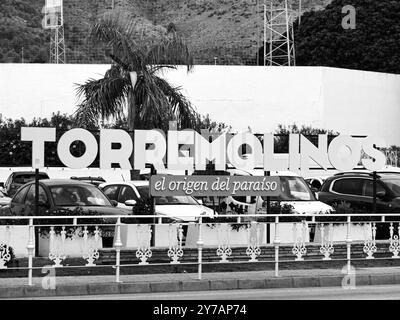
(153, 201)
(374, 192)
(200, 244)
(265, 34)
(36, 231)
(268, 174)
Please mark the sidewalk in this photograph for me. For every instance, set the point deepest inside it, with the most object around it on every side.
(92, 285)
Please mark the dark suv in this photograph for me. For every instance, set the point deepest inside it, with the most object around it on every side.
(18, 179)
(352, 192)
(356, 190)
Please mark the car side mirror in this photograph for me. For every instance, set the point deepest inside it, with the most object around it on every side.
(1, 184)
(114, 203)
(381, 194)
(130, 203)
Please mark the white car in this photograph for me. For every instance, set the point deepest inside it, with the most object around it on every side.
(184, 208)
(294, 192)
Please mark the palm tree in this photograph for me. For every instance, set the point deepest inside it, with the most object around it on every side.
(140, 52)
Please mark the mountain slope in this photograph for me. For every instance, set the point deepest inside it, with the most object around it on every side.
(228, 30)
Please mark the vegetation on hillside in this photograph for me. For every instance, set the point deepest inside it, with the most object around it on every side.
(228, 30)
(373, 46)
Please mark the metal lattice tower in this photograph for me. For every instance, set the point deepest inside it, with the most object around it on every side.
(54, 20)
(279, 49)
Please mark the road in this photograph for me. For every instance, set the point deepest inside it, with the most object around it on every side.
(383, 292)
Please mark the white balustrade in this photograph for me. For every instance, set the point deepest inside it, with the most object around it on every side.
(89, 239)
(253, 241)
(299, 236)
(57, 247)
(370, 242)
(91, 246)
(175, 237)
(143, 251)
(394, 246)
(224, 241)
(5, 252)
(326, 241)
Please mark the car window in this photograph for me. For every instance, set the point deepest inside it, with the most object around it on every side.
(350, 186)
(144, 191)
(293, 189)
(30, 197)
(368, 188)
(8, 181)
(127, 193)
(111, 192)
(20, 196)
(78, 195)
(394, 185)
(28, 177)
(239, 198)
(244, 199)
(167, 200)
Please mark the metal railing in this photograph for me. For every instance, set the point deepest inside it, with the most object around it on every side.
(19, 236)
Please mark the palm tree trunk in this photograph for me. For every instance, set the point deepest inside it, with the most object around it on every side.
(135, 174)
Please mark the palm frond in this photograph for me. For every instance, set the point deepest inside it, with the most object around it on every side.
(106, 97)
(180, 107)
(170, 50)
(115, 30)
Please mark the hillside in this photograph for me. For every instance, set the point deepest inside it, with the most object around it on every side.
(228, 30)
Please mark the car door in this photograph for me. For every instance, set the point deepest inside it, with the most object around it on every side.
(126, 193)
(382, 204)
(346, 194)
(17, 205)
(44, 203)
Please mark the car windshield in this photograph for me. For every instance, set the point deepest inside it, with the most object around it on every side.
(293, 189)
(394, 185)
(78, 195)
(28, 177)
(167, 200)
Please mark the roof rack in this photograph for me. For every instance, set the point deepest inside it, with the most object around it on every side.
(389, 172)
(367, 173)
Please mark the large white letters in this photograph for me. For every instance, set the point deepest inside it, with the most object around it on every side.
(153, 156)
(108, 155)
(77, 135)
(38, 136)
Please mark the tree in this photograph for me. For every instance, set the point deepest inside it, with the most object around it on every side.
(140, 52)
(282, 135)
(373, 46)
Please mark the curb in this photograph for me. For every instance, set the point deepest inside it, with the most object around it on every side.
(193, 285)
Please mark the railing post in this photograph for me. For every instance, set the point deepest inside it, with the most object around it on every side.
(117, 245)
(200, 244)
(277, 241)
(348, 242)
(31, 248)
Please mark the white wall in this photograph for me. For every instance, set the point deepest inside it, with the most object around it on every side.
(347, 101)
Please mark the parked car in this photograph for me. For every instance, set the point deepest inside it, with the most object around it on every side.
(59, 197)
(356, 189)
(96, 181)
(183, 208)
(294, 192)
(18, 179)
(4, 200)
(352, 192)
(57, 194)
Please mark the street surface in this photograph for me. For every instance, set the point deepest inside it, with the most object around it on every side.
(383, 292)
